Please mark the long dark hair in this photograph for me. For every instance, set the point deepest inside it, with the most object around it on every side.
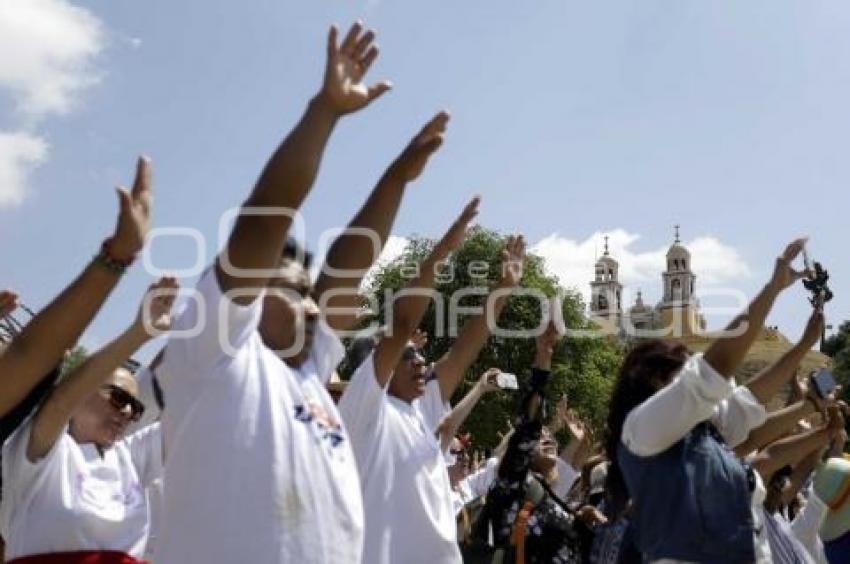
(646, 369)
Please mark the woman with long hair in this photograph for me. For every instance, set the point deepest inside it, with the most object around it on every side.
(672, 422)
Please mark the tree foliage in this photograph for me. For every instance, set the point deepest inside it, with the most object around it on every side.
(584, 368)
(73, 359)
(837, 346)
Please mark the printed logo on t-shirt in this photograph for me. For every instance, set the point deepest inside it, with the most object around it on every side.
(106, 495)
(325, 425)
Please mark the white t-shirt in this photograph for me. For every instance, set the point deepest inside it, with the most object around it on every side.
(72, 499)
(567, 475)
(475, 485)
(258, 466)
(406, 489)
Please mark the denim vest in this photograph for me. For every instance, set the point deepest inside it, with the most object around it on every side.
(692, 501)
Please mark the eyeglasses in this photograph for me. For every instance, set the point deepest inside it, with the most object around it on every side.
(119, 398)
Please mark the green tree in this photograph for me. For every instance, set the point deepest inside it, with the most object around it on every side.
(583, 368)
(73, 359)
(837, 346)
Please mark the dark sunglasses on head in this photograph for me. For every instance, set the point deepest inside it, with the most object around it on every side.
(120, 398)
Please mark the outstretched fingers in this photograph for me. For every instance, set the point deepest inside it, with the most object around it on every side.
(142, 185)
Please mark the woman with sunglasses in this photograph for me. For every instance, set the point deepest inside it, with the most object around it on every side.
(75, 486)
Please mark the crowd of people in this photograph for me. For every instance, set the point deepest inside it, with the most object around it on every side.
(228, 447)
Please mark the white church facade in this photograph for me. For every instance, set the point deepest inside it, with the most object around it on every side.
(677, 314)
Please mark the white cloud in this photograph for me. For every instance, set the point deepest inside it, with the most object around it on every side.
(572, 261)
(47, 52)
(20, 153)
(392, 250)
(47, 49)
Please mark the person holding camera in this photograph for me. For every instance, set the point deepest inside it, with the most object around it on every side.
(673, 418)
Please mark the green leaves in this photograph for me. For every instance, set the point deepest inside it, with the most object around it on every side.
(584, 369)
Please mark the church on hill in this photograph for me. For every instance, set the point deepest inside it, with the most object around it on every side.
(676, 315)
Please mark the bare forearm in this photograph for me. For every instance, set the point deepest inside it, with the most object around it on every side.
(42, 344)
(725, 354)
(407, 312)
(411, 306)
(778, 424)
(451, 368)
(454, 420)
(789, 451)
(57, 410)
(765, 385)
(257, 240)
(800, 474)
(353, 250)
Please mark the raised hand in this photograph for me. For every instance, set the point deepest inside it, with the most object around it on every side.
(577, 427)
(456, 234)
(784, 275)
(488, 380)
(134, 213)
(419, 339)
(8, 302)
(347, 64)
(155, 313)
(415, 156)
(513, 260)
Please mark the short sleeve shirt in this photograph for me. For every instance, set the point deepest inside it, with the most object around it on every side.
(75, 499)
(259, 467)
(406, 490)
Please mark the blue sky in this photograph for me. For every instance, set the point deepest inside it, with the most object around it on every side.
(572, 119)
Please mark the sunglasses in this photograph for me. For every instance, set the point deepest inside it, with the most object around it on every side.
(119, 398)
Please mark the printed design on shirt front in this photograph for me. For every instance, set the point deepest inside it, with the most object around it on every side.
(327, 427)
(107, 496)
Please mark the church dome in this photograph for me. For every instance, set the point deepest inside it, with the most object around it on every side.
(639, 306)
(606, 260)
(679, 251)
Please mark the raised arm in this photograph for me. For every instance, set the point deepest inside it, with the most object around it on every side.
(778, 424)
(56, 411)
(472, 338)
(767, 383)
(449, 426)
(726, 354)
(581, 443)
(355, 252)
(258, 237)
(41, 345)
(794, 449)
(411, 306)
(529, 421)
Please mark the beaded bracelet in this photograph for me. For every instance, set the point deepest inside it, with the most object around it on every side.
(107, 260)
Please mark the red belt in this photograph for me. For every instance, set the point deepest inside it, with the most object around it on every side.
(79, 557)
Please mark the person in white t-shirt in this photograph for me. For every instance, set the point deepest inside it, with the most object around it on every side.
(409, 512)
(259, 466)
(75, 487)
